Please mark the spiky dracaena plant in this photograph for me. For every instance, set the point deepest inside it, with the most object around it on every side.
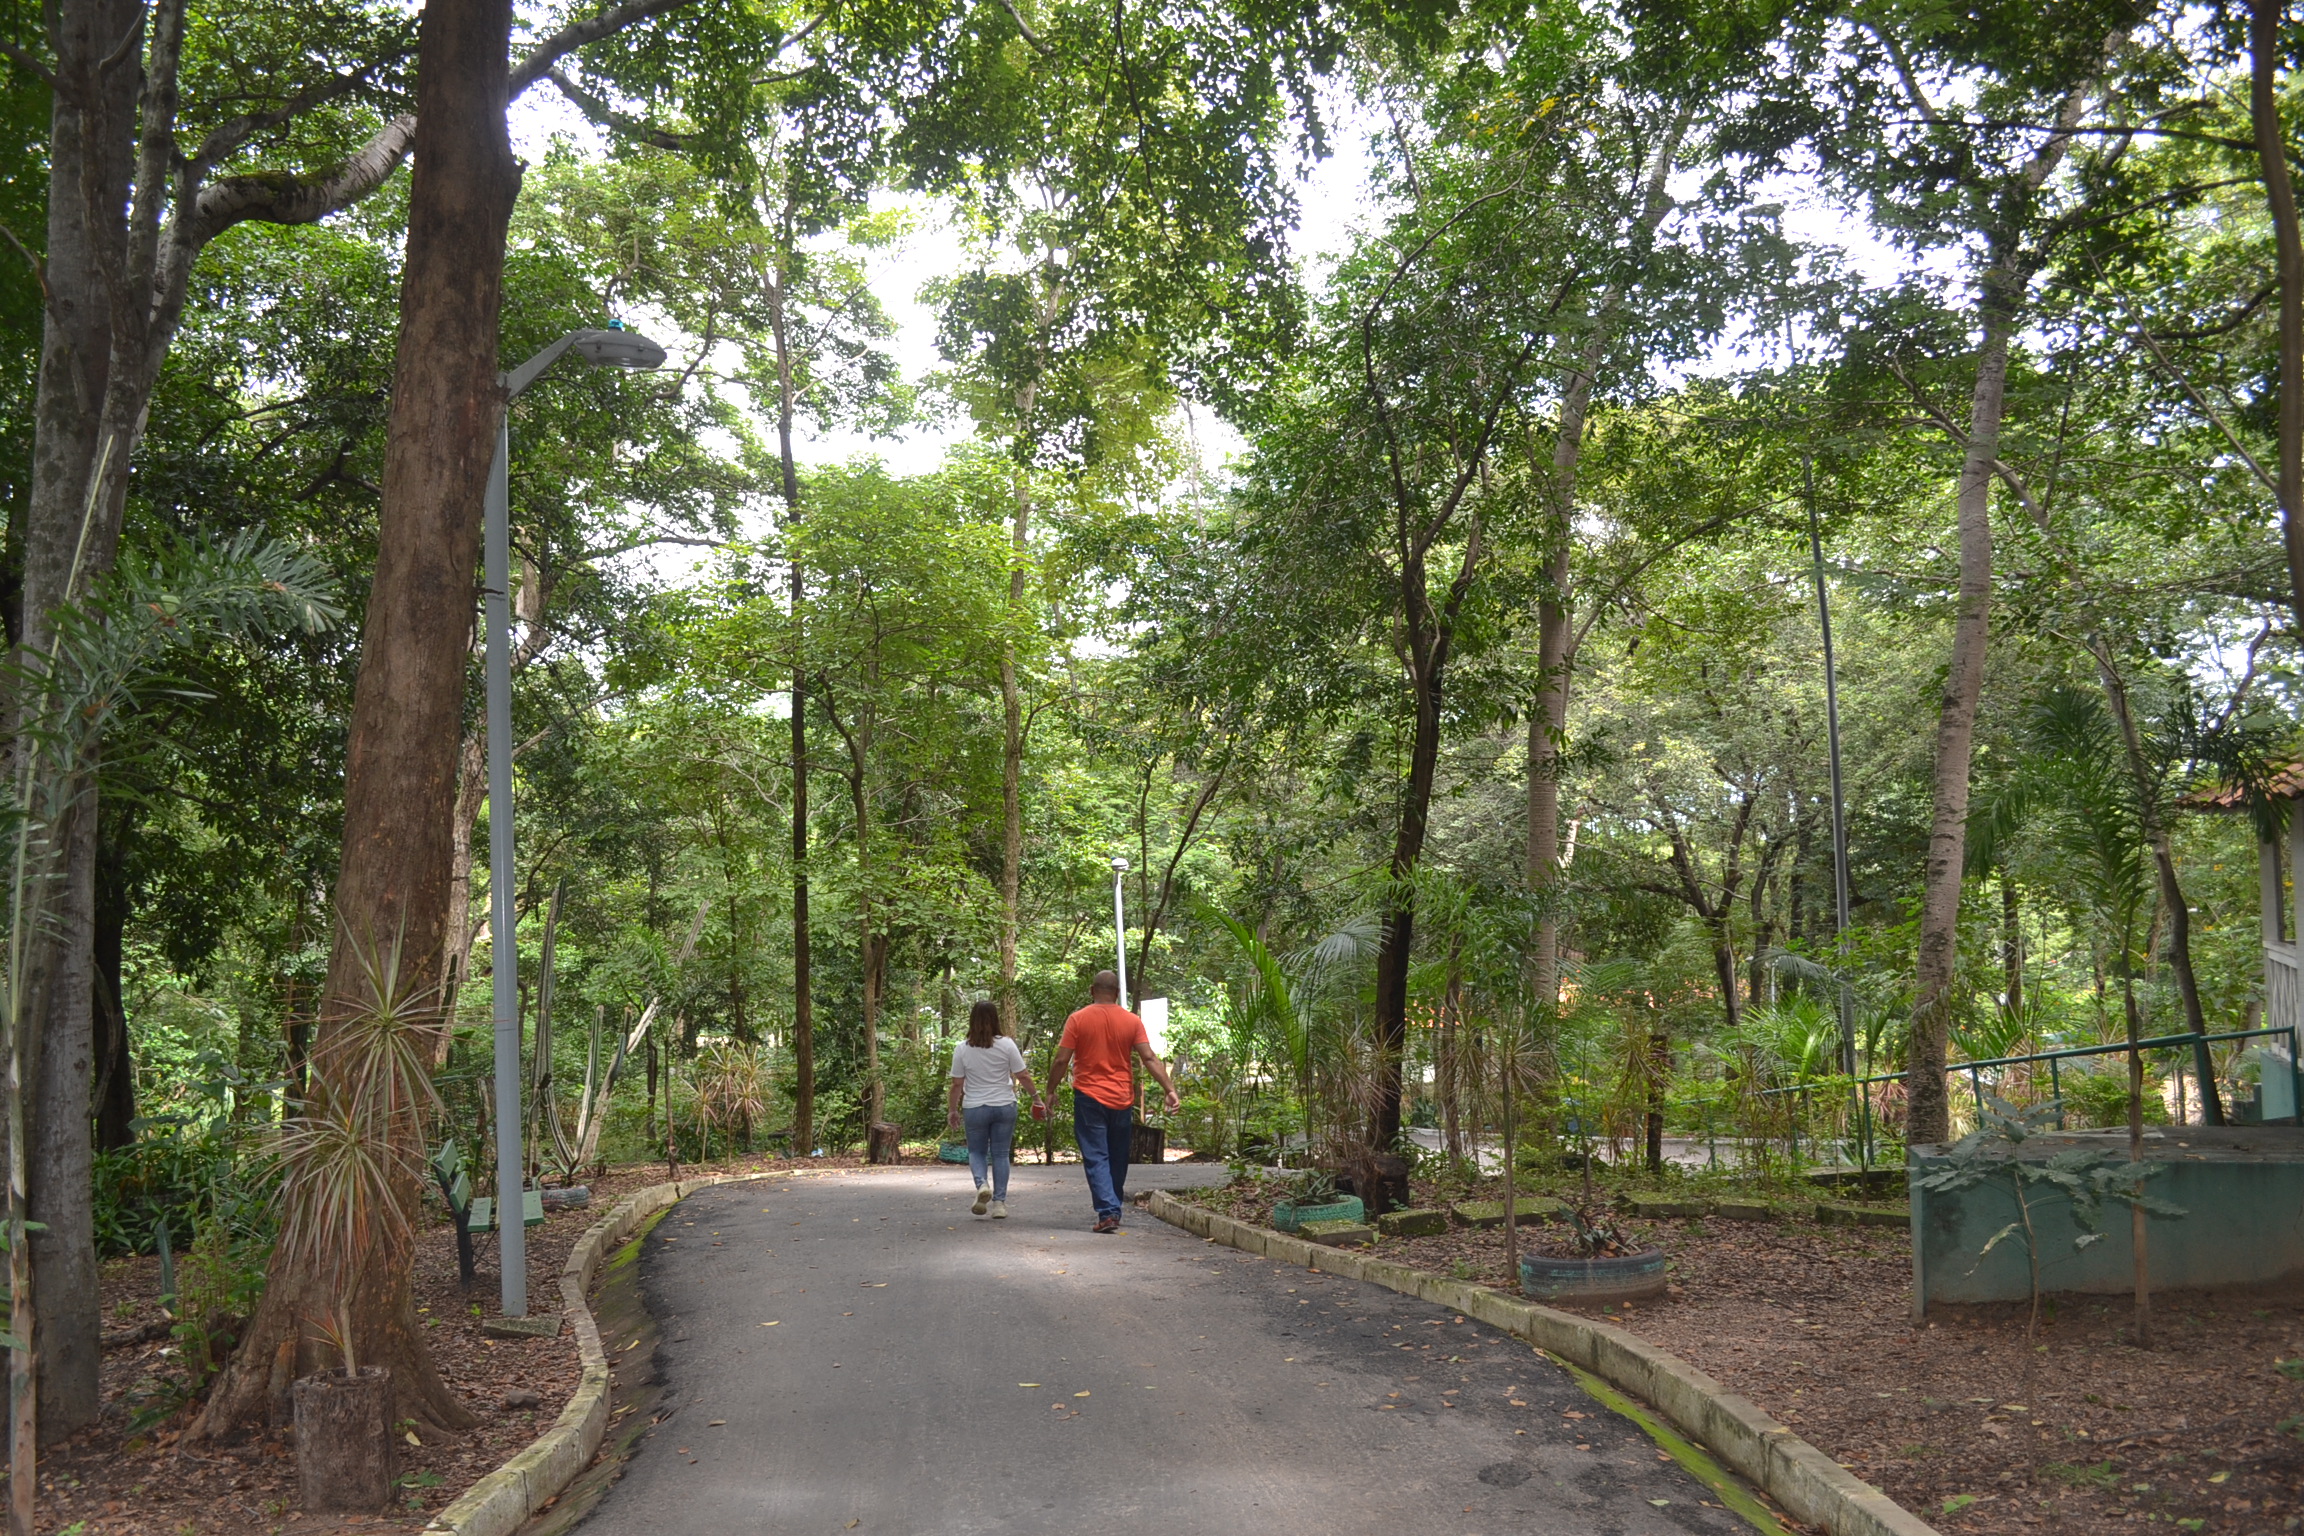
(110, 650)
(357, 1145)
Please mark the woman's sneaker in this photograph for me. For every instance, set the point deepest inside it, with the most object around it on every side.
(983, 1199)
(999, 1210)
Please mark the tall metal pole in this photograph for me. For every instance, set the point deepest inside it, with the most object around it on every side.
(1839, 802)
(1120, 928)
(503, 937)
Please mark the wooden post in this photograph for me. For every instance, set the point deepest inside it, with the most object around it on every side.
(345, 1455)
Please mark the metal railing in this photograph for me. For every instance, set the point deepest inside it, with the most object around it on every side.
(1865, 1140)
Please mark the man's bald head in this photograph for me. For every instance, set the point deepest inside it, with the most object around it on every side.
(1105, 987)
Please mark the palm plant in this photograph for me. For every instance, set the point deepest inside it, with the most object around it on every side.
(2098, 796)
(109, 652)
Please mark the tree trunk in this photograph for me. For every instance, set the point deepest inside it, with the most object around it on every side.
(462, 932)
(1548, 721)
(2170, 889)
(1012, 767)
(115, 1062)
(1930, 1112)
(1555, 648)
(1724, 966)
(803, 997)
(1397, 950)
(2265, 18)
(407, 707)
(90, 160)
(2011, 943)
(1659, 1077)
(2137, 1233)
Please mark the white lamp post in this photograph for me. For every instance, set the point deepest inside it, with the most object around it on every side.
(1120, 928)
(613, 348)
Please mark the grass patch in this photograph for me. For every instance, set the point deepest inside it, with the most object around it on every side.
(2100, 1476)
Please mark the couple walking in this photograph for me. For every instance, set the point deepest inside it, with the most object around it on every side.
(1099, 1048)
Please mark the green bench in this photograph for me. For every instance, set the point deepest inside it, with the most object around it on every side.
(473, 1215)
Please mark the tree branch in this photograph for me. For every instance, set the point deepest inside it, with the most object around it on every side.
(274, 198)
(576, 35)
(24, 60)
(224, 138)
(1039, 44)
(598, 110)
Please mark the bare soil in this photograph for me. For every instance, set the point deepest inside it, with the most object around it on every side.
(1954, 1417)
(115, 1480)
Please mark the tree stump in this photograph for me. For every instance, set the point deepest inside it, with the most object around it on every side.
(884, 1143)
(1380, 1180)
(1147, 1143)
(346, 1458)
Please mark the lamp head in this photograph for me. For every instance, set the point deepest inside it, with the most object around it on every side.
(1119, 866)
(617, 347)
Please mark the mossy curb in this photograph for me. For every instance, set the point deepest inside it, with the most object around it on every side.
(1835, 1213)
(1811, 1485)
(1338, 1234)
(1490, 1213)
(1422, 1222)
(498, 1503)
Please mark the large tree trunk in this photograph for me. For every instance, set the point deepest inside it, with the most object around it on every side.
(1933, 994)
(407, 707)
(2265, 18)
(91, 156)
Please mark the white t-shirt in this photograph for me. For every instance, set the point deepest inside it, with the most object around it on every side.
(990, 1071)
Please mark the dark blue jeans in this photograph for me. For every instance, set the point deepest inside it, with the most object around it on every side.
(1104, 1135)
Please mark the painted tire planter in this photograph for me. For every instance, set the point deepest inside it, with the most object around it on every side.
(1289, 1217)
(952, 1152)
(1632, 1277)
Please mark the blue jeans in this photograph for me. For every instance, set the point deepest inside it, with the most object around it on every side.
(1104, 1135)
(991, 1136)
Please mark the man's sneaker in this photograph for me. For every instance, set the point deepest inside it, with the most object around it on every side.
(983, 1199)
(1106, 1224)
(999, 1210)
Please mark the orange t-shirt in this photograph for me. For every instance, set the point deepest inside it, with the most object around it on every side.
(1102, 1038)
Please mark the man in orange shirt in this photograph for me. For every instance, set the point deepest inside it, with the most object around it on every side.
(1102, 1040)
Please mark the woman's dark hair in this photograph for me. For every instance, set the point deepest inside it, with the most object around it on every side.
(983, 1022)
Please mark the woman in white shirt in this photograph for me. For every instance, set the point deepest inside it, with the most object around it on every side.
(987, 1069)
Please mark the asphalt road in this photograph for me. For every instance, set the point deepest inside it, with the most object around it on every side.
(858, 1353)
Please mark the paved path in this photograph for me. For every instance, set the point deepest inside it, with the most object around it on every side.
(933, 1374)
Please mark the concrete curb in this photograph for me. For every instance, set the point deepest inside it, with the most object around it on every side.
(498, 1503)
(1811, 1485)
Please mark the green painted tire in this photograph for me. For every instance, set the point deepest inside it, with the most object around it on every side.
(1289, 1217)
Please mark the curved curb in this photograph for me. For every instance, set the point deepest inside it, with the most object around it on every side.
(498, 1503)
(1811, 1485)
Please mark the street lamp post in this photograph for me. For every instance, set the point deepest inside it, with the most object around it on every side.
(1120, 928)
(613, 348)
